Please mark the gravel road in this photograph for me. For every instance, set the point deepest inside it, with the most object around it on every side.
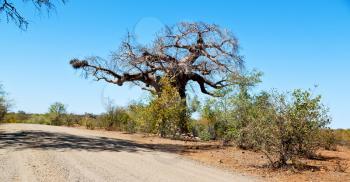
(49, 153)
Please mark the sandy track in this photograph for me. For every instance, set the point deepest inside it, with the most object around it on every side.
(48, 153)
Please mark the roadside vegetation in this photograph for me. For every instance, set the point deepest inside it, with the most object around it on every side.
(284, 126)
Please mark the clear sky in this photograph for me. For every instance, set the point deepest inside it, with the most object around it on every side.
(296, 43)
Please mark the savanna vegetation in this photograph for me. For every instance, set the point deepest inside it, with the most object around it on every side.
(284, 126)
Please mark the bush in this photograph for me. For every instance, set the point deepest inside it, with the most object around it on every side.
(329, 140)
(289, 127)
(228, 116)
(116, 118)
(283, 126)
(210, 116)
(164, 113)
(139, 113)
(205, 135)
(200, 129)
(342, 136)
(72, 119)
(241, 120)
(90, 121)
(131, 126)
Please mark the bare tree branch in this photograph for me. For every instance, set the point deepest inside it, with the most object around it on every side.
(199, 52)
(12, 14)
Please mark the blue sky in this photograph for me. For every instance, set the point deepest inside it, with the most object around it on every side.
(296, 43)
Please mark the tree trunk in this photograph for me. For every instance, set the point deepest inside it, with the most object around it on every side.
(183, 125)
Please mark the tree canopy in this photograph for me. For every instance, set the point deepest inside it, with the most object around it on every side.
(203, 53)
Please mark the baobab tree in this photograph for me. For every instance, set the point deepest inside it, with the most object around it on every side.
(202, 53)
(11, 12)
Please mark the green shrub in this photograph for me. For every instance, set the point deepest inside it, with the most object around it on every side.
(116, 118)
(228, 116)
(201, 130)
(90, 121)
(283, 126)
(328, 139)
(205, 135)
(90, 124)
(130, 126)
(163, 114)
(210, 116)
(139, 113)
(290, 127)
(72, 119)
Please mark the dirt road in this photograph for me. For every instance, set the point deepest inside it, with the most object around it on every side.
(49, 153)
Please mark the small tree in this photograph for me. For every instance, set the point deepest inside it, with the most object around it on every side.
(209, 117)
(228, 116)
(242, 104)
(57, 111)
(4, 105)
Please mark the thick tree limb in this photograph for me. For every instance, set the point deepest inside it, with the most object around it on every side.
(118, 78)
